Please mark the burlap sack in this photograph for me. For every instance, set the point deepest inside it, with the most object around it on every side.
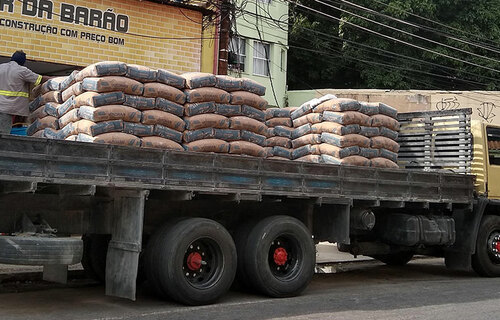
(101, 69)
(384, 143)
(347, 117)
(199, 79)
(381, 120)
(383, 163)
(171, 79)
(338, 105)
(310, 118)
(248, 98)
(112, 83)
(247, 148)
(141, 73)
(347, 140)
(206, 94)
(160, 143)
(160, 90)
(335, 128)
(152, 117)
(206, 121)
(208, 145)
(192, 109)
(278, 142)
(249, 124)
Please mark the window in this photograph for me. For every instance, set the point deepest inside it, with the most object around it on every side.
(261, 58)
(493, 145)
(237, 56)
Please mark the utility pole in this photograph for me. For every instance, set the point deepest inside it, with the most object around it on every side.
(224, 29)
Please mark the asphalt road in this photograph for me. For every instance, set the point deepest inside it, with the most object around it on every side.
(424, 289)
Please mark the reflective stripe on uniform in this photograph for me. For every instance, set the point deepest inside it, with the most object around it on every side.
(14, 93)
(38, 80)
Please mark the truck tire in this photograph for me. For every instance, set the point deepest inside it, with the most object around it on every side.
(194, 261)
(279, 256)
(395, 259)
(486, 260)
(95, 251)
(37, 251)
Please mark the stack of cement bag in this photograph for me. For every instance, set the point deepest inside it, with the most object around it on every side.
(345, 131)
(280, 131)
(224, 115)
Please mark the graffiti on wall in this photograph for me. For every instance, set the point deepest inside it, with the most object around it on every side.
(448, 104)
(485, 111)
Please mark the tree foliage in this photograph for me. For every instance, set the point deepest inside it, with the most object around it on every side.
(327, 53)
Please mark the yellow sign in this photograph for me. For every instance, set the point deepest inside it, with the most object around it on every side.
(141, 32)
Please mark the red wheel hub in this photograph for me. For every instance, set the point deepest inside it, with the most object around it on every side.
(194, 261)
(496, 245)
(280, 256)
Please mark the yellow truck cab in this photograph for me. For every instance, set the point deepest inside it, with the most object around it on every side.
(486, 159)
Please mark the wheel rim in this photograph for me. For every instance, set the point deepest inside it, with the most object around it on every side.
(494, 247)
(202, 263)
(283, 257)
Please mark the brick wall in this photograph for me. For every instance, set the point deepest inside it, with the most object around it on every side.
(144, 18)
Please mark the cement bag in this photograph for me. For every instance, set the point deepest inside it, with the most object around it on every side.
(253, 113)
(347, 117)
(42, 123)
(160, 90)
(369, 131)
(61, 134)
(249, 124)
(248, 98)
(70, 116)
(381, 120)
(278, 142)
(301, 131)
(74, 90)
(41, 133)
(35, 104)
(138, 129)
(228, 134)
(305, 150)
(345, 141)
(113, 83)
(308, 106)
(277, 158)
(208, 145)
(384, 153)
(205, 133)
(95, 99)
(72, 138)
(192, 109)
(52, 84)
(139, 103)
(384, 143)
(140, 73)
(91, 128)
(101, 69)
(48, 109)
(277, 113)
(310, 118)
(199, 79)
(111, 112)
(338, 152)
(253, 137)
(287, 122)
(51, 96)
(252, 86)
(369, 153)
(160, 143)
(282, 152)
(313, 158)
(388, 133)
(228, 83)
(152, 117)
(349, 161)
(171, 79)
(282, 131)
(169, 106)
(338, 105)
(167, 133)
(311, 138)
(228, 110)
(208, 94)
(383, 163)
(68, 81)
(68, 105)
(206, 121)
(387, 110)
(115, 138)
(369, 108)
(269, 152)
(335, 128)
(247, 148)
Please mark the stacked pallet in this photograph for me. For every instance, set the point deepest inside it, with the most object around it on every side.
(280, 133)
(345, 131)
